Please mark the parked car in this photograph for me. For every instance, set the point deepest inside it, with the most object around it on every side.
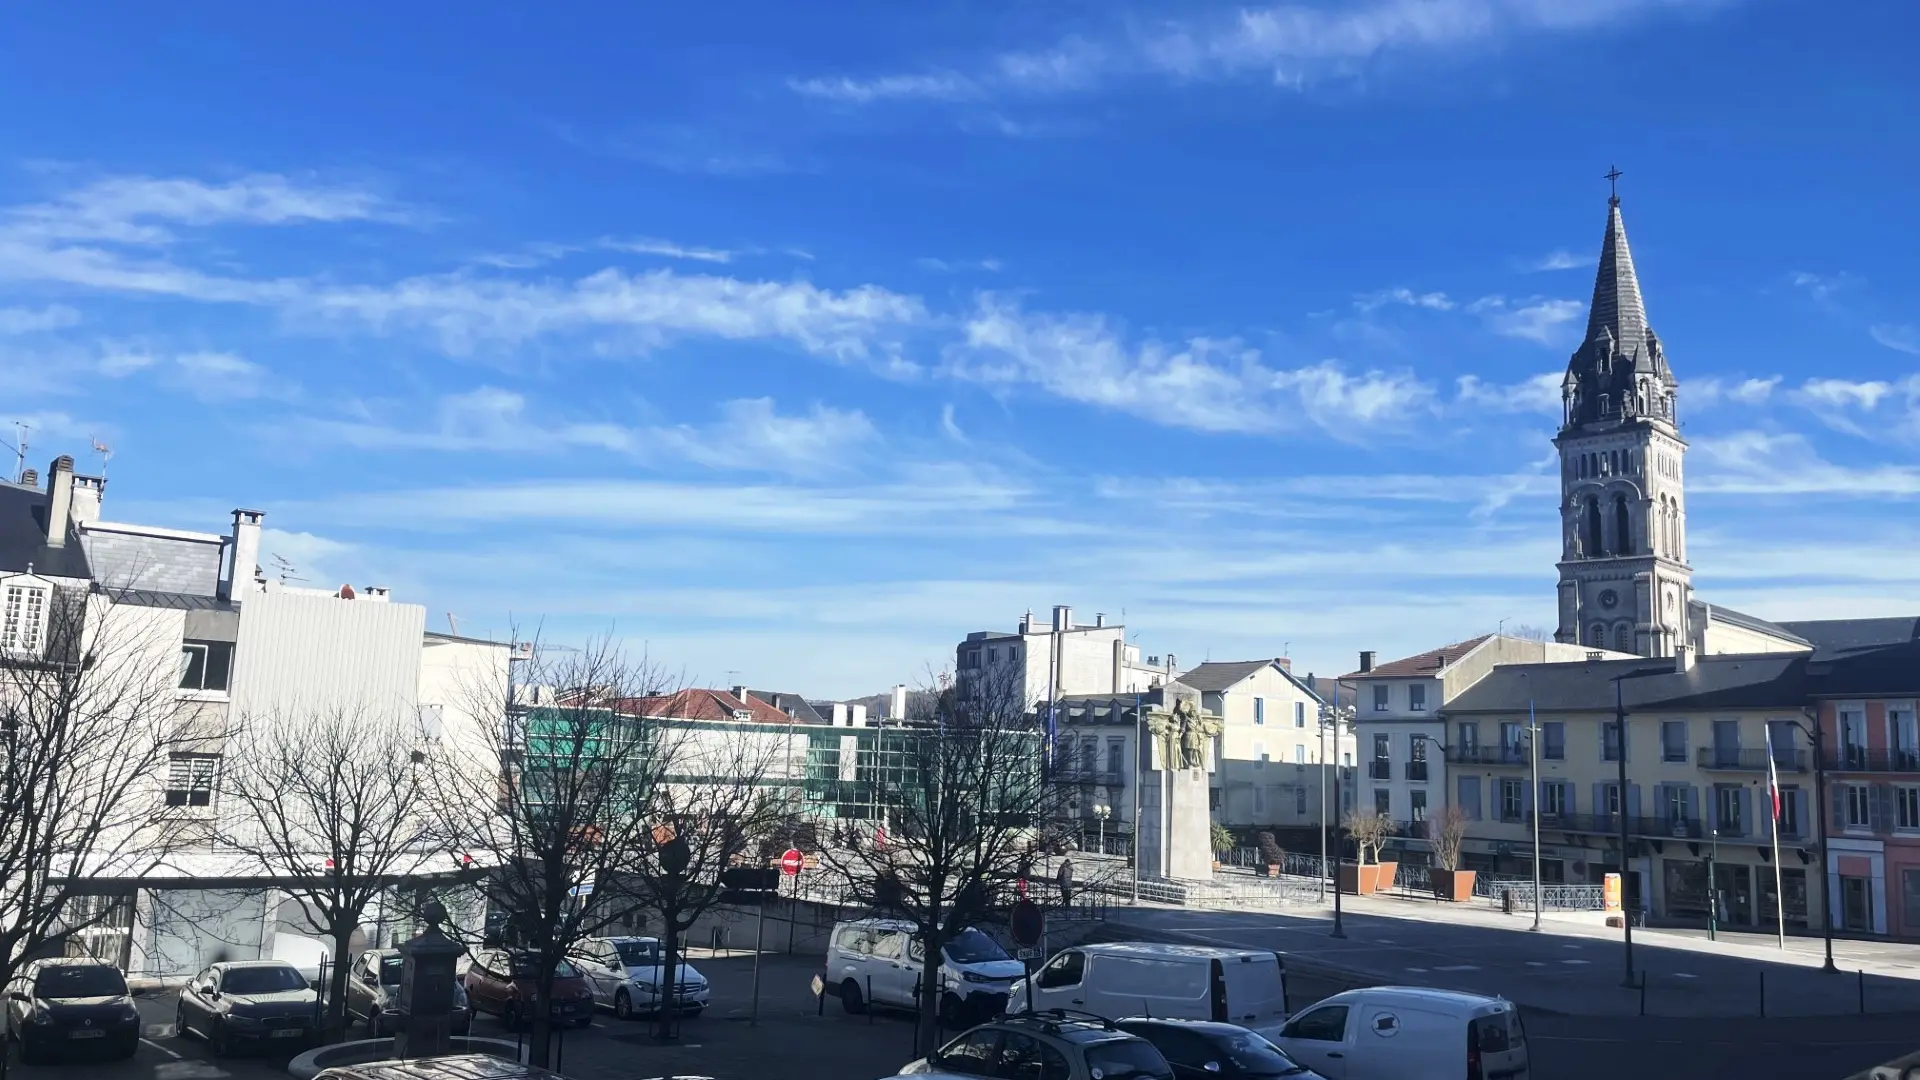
(627, 975)
(880, 962)
(451, 1067)
(1409, 1033)
(1054, 1045)
(248, 1002)
(500, 981)
(70, 1004)
(1203, 1050)
(373, 987)
(1184, 982)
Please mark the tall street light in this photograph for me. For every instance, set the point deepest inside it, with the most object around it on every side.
(1620, 752)
(1820, 819)
(1333, 716)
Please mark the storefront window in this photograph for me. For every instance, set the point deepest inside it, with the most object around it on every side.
(1686, 888)
(1794, 882)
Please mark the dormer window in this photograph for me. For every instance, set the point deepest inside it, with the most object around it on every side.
(24, 629)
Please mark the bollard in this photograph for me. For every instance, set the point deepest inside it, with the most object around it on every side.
(870, 1009)
(1506, 901)
(559, 1047)
(1643, 993)
(821, 998)
(1763, 995)
(1863, 991)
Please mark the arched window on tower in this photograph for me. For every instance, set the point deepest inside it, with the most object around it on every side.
(1597, 635)
(1593, 538)
(1623, 638)
(1622, 526)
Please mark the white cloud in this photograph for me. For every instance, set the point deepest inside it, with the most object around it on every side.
(1560, 259)
(668, 249)
(16, 320)
(1203, 384)
(128, 209)
(1540, 394)
(1533, 319)
(1432, 301)
(1712, 390)
(937, 86)
(1822, 286)
(1766, 464)
(750, 435)
(1844, 393)
(222, 376)
(1898, 338)
(950, 424)
(951, 266)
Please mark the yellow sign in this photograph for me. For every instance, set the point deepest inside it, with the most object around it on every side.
(1610, 894)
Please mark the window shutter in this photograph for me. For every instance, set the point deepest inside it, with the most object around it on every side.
(1805, 826)
(1566, 796)
(1633, 800)
(1748, 825)
(1526, 799)
(1837, 805)
(1690, 802)
(1600, 800)
(1713, 808)
(1661, 801)
(1882, 807)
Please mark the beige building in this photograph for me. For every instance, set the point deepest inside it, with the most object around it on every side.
(1271, 749)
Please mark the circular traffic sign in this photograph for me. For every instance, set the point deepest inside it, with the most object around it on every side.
(1027, 923)
(792, 862)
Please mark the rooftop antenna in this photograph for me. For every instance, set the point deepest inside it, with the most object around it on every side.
(106, 454)
(288, 571)
(452, 627)
(19, 448)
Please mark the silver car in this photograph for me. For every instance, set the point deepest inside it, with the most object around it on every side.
(373, 987)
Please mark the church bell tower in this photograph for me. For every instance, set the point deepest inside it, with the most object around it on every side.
(1624, 579)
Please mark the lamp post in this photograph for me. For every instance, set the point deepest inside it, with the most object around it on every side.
(1820, 818)
(1620, 752)
(1333, 716)
(1101, 813)
(1713, 887)
(1533, 755)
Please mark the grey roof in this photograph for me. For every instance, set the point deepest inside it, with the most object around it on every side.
(176, 601)
(1839, 637)
(1751, 681)
(1751, 622)
(793, 705)
(23, 537)
(1617, 306)
(1217, 675)
(1887, 671)
(1620, 347)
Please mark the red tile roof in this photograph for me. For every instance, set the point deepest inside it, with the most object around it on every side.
(697, 704)
(1426, 663)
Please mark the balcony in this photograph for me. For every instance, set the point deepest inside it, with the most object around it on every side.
(1379, 770)
(1726, 759)
(1860, 759)
(1487, 755)
(1609, 825)
(1416, 770)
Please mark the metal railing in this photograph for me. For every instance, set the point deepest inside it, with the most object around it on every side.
(1552, 897)
(1487, 755)
(1860, 759)
(1416, 770)
(1379, 770)
(1733, 759)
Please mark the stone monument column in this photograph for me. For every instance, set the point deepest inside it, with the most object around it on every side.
(425, 1020)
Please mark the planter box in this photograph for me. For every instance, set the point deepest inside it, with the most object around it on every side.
(1454, 885)
(1364, 880)
(1270, 870)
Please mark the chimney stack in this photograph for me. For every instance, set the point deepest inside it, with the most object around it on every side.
(1026, 622)
(1171, 667)
(897, 702)
(59, 500)
(1099, 619)
(1683, 659)
(30, 478)
(244, 568)
(1062, 618)
(87, 493)
(1366, 660)
(741, 693)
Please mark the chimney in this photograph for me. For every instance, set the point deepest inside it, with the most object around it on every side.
(839, 714)
(244, 568)
(858, 717)
(741, 693)
(1119, 665)
(1366, 660)
(1099, 619)
(897, 702)
(1062, 618)
(1286, 663)
(1683, 659)
(1171, 668)
(1026, 622)
(87, 492)
(59, 500)
(30, 478)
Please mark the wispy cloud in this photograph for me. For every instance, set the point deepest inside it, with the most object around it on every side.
(136, 209)
(1904, 339)
(950, 424)
(935, 86)
(1540, 394)
(1533, 319)
(1757, 463)
(16, 320)
(1432, 301)
(223, 376)
(668, 249)
(1823, 287)
(1701, 392)
(952, 266)
(1561, 259)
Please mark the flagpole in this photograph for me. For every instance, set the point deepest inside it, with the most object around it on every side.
(1773, 795)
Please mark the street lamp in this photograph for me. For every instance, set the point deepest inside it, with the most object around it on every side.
(1336, 717)
(1820, 815)
(1102, 813)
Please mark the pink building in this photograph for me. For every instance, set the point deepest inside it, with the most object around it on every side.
(1870, 746)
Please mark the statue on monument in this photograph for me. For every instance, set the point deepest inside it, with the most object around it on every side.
(1193, 745)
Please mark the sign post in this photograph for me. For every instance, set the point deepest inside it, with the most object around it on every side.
(1029, 925)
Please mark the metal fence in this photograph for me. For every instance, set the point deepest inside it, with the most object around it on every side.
(1552, 897)
(1237, 891)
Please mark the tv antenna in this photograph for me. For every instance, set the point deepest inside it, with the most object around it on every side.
(286, 570)
(19, 448)
(106, 454)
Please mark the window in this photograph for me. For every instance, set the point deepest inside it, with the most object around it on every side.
(1790, 811)
(1853, 737)
(1383, 801)
(1906, 808)
(1381, 747)
(1468, 736)
(1325, 1024)
(1259, 710)
(1510, 742)
(1610, 741)
(1299, 714)
(1022, 1057)
(1859, 813)
(1418, 808)
(1673, 740)
(1116, 756)
(205, 665)
(1380, 697)
(1067, 969)
(1299, 753)
(1727, 803)
(976, 1053)
(1513, 795)
(190, 779)
(26, 619)
(1300, 800)
(1609, 799)
(1346, 758)
(1553, 798)
(1417, 748)
(1417, 697)
(1623, 638)
(992, 655)
(1553, 740)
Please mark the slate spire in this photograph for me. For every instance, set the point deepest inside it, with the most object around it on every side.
(1620, 372)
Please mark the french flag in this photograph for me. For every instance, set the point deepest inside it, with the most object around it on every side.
(1773, 778)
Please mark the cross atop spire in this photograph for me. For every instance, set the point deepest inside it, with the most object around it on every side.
(1613, 184)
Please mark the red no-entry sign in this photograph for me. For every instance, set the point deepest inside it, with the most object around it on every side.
(792, 862)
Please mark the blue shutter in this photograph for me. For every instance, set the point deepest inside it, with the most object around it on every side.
(1600, 800)
(1690, 802)
(1633, 800)
(1566, 796)
(1469, 796)
(1747, 821)
(1800, 814)
(1713, 809)
(1660, 804)
(1526, 801)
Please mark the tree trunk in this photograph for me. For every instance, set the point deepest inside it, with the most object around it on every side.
(541, 1038)
(336, 1016)
(925, 1039)
(670, 972)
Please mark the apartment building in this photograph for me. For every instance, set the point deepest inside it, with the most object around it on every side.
(247, 649)
(1271, 748)
(1048, 661)
(1399, 731)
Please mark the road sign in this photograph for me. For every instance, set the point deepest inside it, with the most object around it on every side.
(1027, 923)
(584, 889)
(819, 987)
(792, 862)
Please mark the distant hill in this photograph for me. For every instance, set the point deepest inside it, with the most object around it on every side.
(919, 703)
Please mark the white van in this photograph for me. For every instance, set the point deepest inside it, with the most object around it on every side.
(1408, 1033)
(1173, 982)
(879, 962)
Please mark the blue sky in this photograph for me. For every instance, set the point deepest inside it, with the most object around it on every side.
(797, 343)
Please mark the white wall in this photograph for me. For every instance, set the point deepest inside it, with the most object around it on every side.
(300, 653)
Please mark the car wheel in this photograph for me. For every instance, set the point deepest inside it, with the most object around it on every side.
(622, 1005)
(373, 1024)
(510, 1015)
(180, 1028)
(850, 998)
(219, 1044)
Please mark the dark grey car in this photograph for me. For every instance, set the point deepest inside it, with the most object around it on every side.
(70, 1004)
(249, 1003)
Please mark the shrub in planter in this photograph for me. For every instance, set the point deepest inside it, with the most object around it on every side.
(1271, 857)
(1447, 829)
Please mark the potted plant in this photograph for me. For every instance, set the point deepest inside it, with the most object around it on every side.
(1222, 842)
(1369, 830)
(1271, 857)
(1446, 830)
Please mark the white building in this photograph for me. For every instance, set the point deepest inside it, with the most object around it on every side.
(1058, 660)
(1271, 749)
(246, 648)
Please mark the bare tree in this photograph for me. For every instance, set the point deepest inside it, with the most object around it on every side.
(549, 794)
(1528, 632)
(1447, 829)
(90, 721)
(960, 804)
(333, 806)
(1369, 829)
(710, 809)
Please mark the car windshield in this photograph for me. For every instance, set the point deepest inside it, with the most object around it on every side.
(1253, 1054)
(80, 980)
(390, 969)
(970, 946)
(1127, 1059)
(638, 953)
(523, 968)
(261, 980)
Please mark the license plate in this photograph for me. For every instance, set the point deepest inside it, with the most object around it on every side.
(287, 1033)
(87, 1033)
